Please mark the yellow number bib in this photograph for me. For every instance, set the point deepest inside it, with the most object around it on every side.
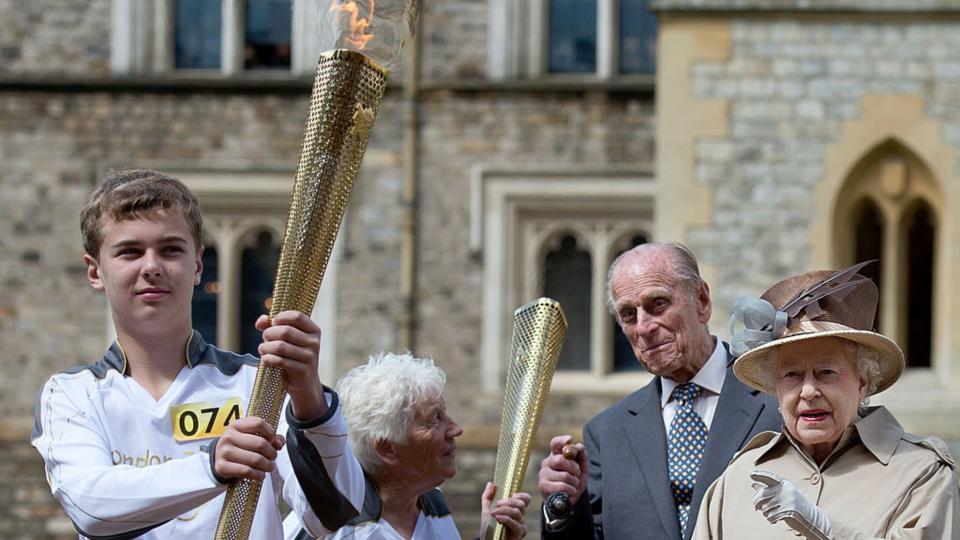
(201, 420)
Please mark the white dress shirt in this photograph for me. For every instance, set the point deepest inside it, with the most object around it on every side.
(709, 378)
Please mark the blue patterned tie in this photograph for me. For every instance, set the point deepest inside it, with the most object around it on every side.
(685, 444)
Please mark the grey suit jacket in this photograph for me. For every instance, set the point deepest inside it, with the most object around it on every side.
(628, 493)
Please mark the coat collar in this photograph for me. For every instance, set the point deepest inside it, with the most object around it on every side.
(877, 429)
(116, 358)
(880, 433)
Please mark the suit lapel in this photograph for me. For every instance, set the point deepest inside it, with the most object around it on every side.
(737, 412)
(648, 440)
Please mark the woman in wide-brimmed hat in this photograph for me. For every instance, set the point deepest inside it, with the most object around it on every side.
(838, 469)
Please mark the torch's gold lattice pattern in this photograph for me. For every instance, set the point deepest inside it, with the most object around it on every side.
(346, 96)
(538, 331)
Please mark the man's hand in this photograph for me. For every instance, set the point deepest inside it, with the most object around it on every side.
(778, 499)
(557, 473)
(247, 449)
(292, 343)
(509, 512)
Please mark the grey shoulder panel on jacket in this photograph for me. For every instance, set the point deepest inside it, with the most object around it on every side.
(198, 352)
(112, 359)
(433, 504)
(229, 363)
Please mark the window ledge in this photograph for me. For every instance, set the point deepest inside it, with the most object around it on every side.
(199, 81)
(889, 7)
(640, 84)
(611, 384)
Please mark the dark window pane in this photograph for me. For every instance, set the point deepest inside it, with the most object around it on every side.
(920, 257)
(196, 34)
(869, 246)
(205, 297)
(259, 267)
(573, 36)
(623, 357)
(638, 37)
(567, 277)
(267, 35)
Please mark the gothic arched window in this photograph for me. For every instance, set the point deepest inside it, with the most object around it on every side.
(887, 210)
(623, 357)
(258, 266)
(918, 246)
(567, 278)
(869, 226)
(204, 307)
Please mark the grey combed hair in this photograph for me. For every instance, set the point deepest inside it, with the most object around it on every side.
(868, 367)
(380, 400)
(685, 268)
(866, 360)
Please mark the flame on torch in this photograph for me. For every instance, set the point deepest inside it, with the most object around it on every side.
(357, 35)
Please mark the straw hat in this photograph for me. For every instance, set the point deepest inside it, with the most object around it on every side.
(808, 306)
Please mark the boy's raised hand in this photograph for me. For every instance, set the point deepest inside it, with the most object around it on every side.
(247, 449)
(292, 343)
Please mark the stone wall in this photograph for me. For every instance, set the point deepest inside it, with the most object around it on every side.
(453, 40)
(791, 85)
(63, 37)
(794, 89)
(466, 129)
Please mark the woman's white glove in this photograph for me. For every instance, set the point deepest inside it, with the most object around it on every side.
(779, 500)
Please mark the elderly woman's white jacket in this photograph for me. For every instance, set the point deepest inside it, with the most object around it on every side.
(879, 482)
(434, 522)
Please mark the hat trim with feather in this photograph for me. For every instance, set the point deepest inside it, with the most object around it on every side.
(805, 316)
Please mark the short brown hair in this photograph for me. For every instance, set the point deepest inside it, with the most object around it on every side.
(131, 193)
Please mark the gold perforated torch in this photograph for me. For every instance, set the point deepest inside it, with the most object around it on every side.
(538, 332)
(364, 40)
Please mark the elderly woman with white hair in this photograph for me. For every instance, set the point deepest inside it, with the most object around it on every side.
(405, 441)
(838, 469)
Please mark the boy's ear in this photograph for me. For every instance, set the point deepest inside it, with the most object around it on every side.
(199, 272)
(93, 272)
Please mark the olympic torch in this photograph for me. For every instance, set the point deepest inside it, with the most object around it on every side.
(538, 332)
(349, 84)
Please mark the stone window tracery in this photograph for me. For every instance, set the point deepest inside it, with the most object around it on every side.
(554, 233)
(886, 211)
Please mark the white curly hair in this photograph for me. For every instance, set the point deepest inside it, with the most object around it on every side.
(380, 400)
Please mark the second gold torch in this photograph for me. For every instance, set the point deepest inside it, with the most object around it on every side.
(346, 94)
(538, 332)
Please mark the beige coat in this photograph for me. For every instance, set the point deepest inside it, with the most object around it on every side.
(879, 482)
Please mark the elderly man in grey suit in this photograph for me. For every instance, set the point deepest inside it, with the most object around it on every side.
(646, 461)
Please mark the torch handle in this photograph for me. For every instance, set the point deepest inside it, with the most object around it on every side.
(538, 332)
(344, 102)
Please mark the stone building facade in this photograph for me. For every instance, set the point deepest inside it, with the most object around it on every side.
(764, 137)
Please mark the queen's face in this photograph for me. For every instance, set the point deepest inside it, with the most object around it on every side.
(819, 391)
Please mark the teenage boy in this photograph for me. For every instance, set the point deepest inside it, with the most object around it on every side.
(145, 440)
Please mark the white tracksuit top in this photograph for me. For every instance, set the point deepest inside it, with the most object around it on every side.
(124, 465)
